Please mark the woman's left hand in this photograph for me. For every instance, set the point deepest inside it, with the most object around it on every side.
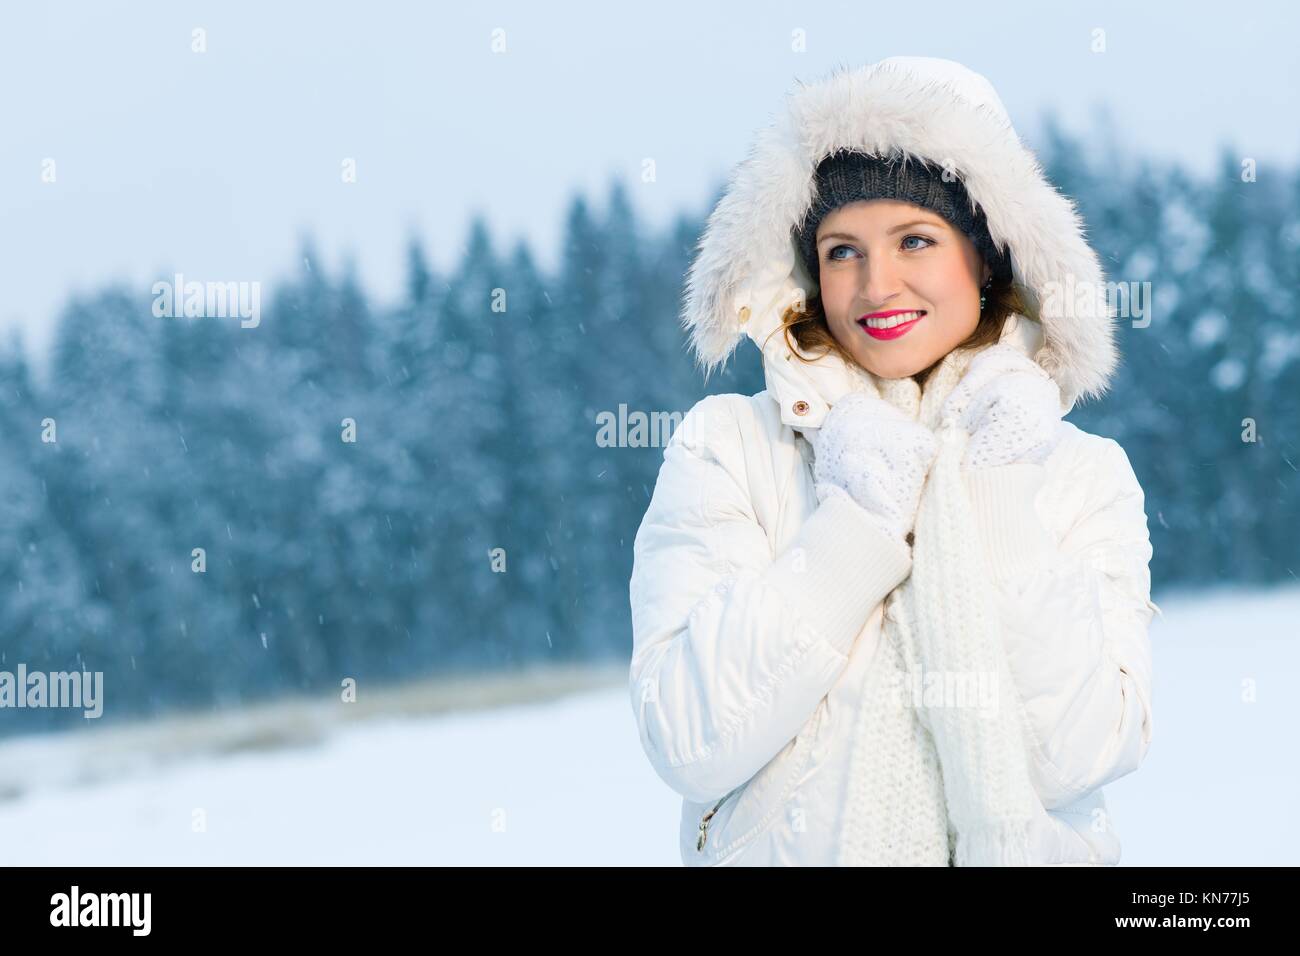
(1009, 406)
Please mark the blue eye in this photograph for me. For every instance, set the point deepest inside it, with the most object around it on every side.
(832, 257)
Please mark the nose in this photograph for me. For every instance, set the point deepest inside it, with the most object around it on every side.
(881, 283)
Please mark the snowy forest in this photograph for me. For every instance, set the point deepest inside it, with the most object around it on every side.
(474, 522)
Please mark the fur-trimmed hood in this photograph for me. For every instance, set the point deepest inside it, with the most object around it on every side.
(747, 269)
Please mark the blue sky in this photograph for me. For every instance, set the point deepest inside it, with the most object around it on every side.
(214, 164)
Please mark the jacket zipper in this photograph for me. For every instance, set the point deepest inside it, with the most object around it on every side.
(704, 821)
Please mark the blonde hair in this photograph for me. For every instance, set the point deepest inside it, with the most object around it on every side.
(811, 331)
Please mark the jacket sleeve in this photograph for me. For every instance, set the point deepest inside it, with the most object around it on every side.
(734, 646)
(1074, 617)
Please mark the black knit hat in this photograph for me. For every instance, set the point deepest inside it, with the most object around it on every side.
(850, 176)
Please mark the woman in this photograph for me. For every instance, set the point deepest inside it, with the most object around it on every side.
(893, 610)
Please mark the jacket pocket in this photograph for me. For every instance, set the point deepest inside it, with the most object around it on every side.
(726, 826)
(708, 818)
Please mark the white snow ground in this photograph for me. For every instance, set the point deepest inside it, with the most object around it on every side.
(565, 781)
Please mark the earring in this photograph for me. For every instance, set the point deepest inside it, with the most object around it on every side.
(983, 298)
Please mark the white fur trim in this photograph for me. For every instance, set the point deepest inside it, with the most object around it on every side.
(924, 108)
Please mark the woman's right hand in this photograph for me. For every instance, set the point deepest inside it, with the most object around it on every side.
(872, 452)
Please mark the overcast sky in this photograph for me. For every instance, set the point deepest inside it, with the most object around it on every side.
(215, 163)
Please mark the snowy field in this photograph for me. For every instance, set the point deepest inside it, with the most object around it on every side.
(560, 778)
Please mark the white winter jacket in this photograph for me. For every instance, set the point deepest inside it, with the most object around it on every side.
(757, 611)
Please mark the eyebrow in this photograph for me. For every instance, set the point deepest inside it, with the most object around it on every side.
(888, 232)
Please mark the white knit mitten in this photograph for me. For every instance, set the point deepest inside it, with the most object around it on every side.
(870, 451)
(1009, 406)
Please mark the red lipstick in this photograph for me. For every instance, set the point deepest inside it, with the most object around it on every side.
(890, 333)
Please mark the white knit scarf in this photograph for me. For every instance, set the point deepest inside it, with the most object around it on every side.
(939, 778)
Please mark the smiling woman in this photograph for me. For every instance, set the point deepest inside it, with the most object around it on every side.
(906, 506)
(899, 241)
